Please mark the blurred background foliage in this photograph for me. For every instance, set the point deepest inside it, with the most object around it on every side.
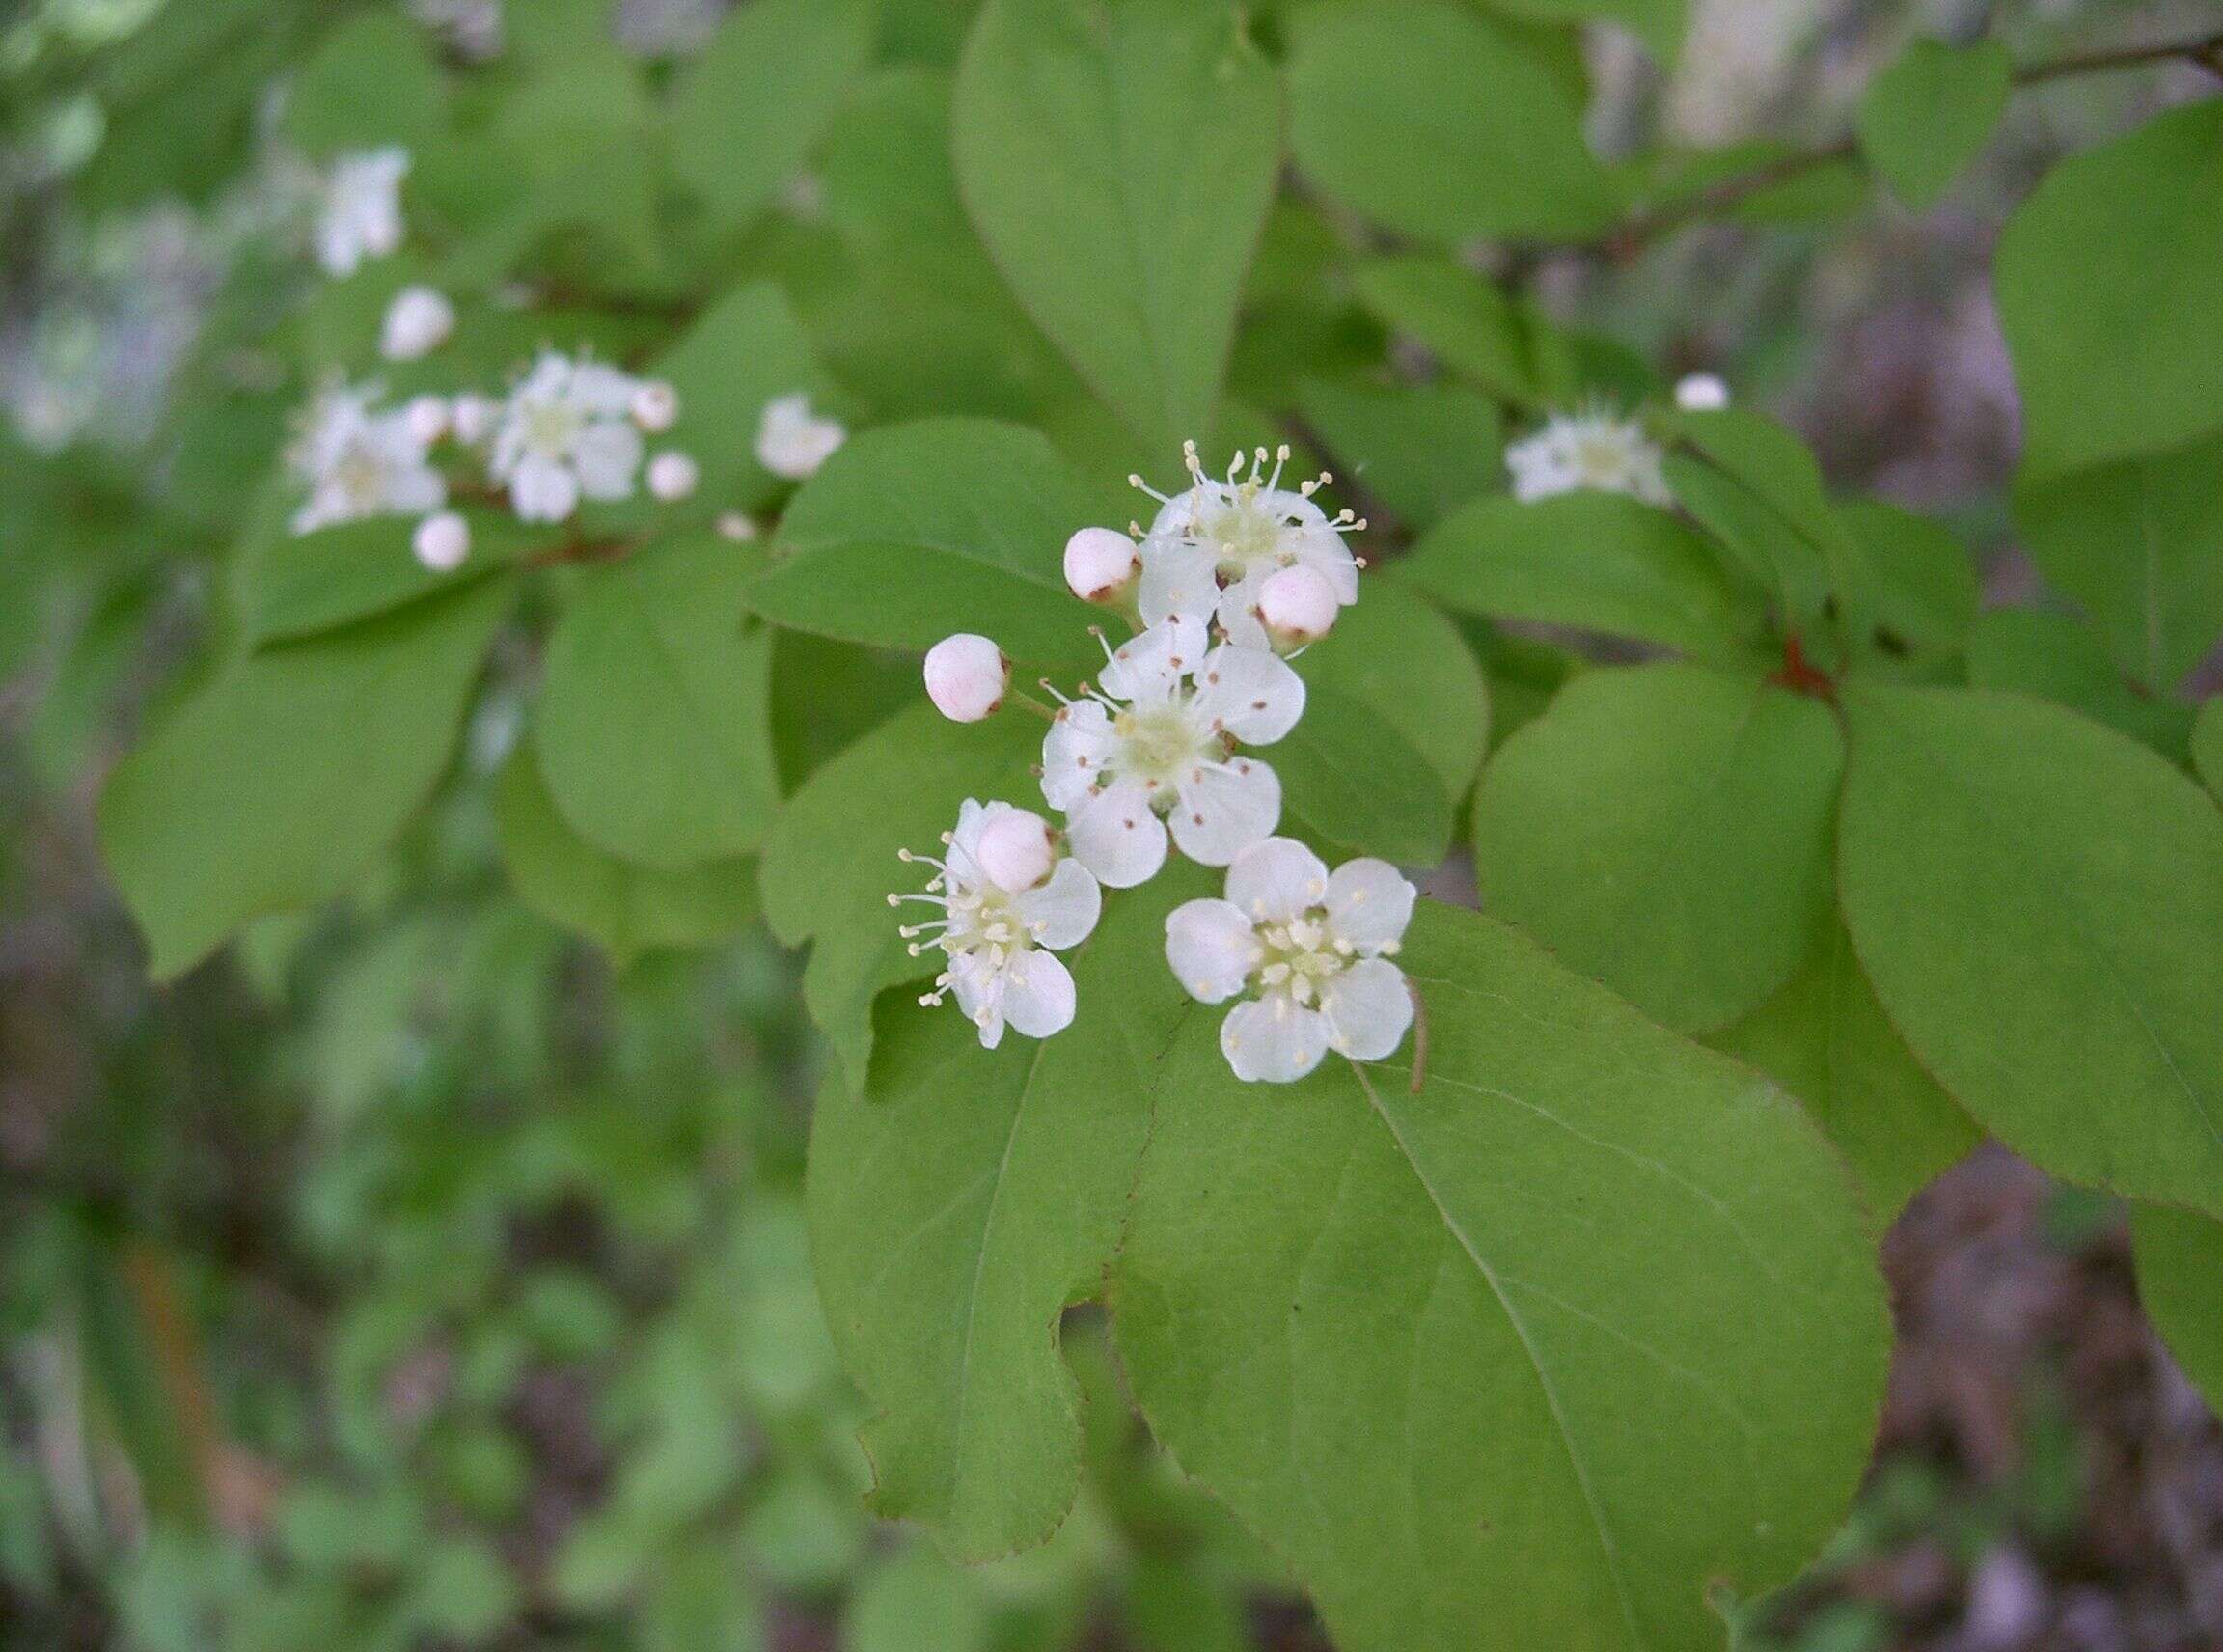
(413, 1275)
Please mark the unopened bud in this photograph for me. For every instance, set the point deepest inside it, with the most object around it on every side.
(474, 416)
(655, 405)
(417, 323)
(966, 677)
(673, 475)
(427, 417)
(1016, 851)
(737, 526)
(1701, 392)
(1100, 564)
(442, 541)
(1297, 606)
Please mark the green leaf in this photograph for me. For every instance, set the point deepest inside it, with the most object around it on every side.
(623, 908)
(2039, 901)
(293, 588)
(275, 785)
(1349, 774)
(1396, 652)
(915, 531)
(959, 1202)
(1666, 829)
(1438, 122)
(1603, 562)
(1422, 449)
(1825, 1037)
(829, 861)
(2180, 1258)
(748, 109)
(2208, 745)
(654, 718)
(1657, 24)
(1925, 580)
(1929, 111)
(370, 82)
(2139, 546)
(2108, 296)
(1463, 321)
(916, 1602)
(1529, 1357)
(1118, 158)
(2056, 657)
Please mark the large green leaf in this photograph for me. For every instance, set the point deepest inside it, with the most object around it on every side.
(2039, 901)
(2058, 657)
(1118, 158)
(2208, 745)
(1533, 1356)
(370, 81)
(275, 785)
(291, 588)
(1464, 321)
(2179, 1257)
(959, 1202)
(830, 862)
(1929, 111)
(2139, 544)
(1666, 829)
(2108, 296)
(1603, 562)
(656, 716)
(1396, 652)
(915, 531)
(747, 111)
(1438, 122)
(1349, 774)
(1825, 1039)
(1422, 449)
(1926, 586)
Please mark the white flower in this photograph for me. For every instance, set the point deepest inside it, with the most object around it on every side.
(427, 417)
(1588, 449)
(473, 416)
(1161, 737)
(1100, 564)
(361, 215)
(673, 475)
(442, 541)
(998, 941)
(359, 463)
(792, 441)
(966, 677)
(737, 526)
(566, 433)
(1701, 392)
(1310, 950)
(417, 323)
(1213, 545)
(655, 405)
(1298, 607)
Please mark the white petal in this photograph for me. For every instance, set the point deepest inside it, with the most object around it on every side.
(1211, 949)
(607, 453)
(1272, 1039)
(1117, 836)
(413, 491)
(1223, 810)
(973, 818)
(542, 490)
(1369, 1010)
(1037, 994)
(1177, 578)
(1276, 880)
(1369, 904)
(1147, 668)
(981, 990)
(1327, 553)
(1061, 912)
(1075, 752)
(1250, 693)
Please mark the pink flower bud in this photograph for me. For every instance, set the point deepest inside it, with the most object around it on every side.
(1100, 564)
(673, 475)
(655, 405)
(737, 526)
(1016, 851)
(966, 677)
(442, 541)
(1701, 392)
(1297, 606)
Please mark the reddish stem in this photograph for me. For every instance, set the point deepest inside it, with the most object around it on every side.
(1799, 676)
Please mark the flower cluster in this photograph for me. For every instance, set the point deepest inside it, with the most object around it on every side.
(1592, 449)
(1235, 575)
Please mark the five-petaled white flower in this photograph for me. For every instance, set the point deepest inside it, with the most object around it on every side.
(360, 216)
(1161, 737)
(359, 463)
(998, 941)
(792, 441)
(1312, 949)
(1592, 449)
(566, 433)
(1213, 546)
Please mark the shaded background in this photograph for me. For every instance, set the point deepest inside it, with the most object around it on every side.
(404, 1276)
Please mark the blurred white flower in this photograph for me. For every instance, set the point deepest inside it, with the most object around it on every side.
(473, 416)
(359, 463)
(472, 28)
(417, 323)
(1158, 744)
(1588, 449)
(999, 939)
(655, 405)
(673, 475)
(1310, 950)
(1701, 392)
(1213, 545)
(442, 541)
(566, 433)
(737, 526)
(792, 441)
(361, 216)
